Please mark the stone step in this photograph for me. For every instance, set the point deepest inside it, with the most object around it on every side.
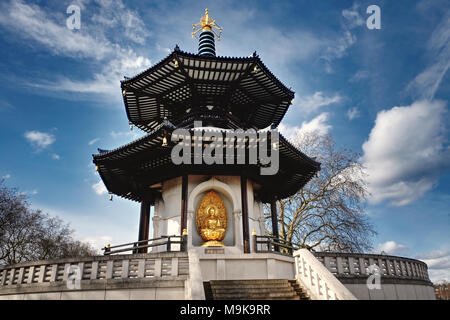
(260, 289)
(253, 286)
(300, 291)
(249, 282)
(253, 290)
(271, 295)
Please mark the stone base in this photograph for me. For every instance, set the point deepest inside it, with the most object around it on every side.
(229, 263)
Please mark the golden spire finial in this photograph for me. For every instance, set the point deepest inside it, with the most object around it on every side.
(207, 24)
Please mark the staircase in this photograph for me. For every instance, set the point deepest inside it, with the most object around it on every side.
(273, 289)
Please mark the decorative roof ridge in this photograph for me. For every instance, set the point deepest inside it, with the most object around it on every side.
(165, 124)
(130, 79)
(288, 90)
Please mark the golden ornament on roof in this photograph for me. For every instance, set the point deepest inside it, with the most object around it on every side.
(207, 24)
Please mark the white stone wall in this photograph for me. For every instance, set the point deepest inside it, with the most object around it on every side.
(393, 292)
(161, 293)
(167, 213)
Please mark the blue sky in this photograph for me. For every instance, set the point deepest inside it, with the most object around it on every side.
(383, 93)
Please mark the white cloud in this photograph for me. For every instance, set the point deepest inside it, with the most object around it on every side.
(338, 48)
(131, 134)
(116, 16)
(406, 152)
(93, 141)
(90, 42)
(360, 75)
(353, 113)
(428, 81)
(107, 81)
(353, 17)
(55, 156)
(99, 188)
(391, 248)
(318, 125)
(98, 242)
(29, 192)
(34, 23)
(438, 262)
(39, 140)
(7, 176)
(317, 101)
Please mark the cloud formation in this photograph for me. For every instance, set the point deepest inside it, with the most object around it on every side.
(39, 140)
(29, 192)
(428, 81)
(353, 113)
(406, 152)
(318, 125)
(438, 262)
(91, 43)
(317, 100)
(99, 188)
(98, 242)
(91, 142)
(354, 19)
(391, 248)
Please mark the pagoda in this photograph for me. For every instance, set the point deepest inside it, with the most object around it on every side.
(213, 204)
(211, 158)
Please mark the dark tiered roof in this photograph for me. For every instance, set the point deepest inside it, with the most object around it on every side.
(185, 83)
(135, 170)
(222, 92)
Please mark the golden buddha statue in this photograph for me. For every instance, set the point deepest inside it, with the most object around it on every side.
(212, 220)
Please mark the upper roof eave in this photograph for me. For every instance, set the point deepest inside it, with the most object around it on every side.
(253, 58)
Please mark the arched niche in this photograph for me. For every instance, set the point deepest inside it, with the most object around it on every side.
(231, 202)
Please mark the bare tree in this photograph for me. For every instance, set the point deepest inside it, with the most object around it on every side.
(328, 213)
(29, 235)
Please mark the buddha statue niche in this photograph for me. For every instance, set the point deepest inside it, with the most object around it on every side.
(212, 220)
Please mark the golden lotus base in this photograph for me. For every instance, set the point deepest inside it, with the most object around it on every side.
(213, 243)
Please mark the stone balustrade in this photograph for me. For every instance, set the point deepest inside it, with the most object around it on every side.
(101, 273)
(317, 280)
(353, 265)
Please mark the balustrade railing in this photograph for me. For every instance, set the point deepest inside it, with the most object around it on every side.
(119, 267)
(318, 281)
(273, 244)
(353, 265)
(137, 247)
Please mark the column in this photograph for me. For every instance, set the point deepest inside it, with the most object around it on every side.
(184, 196)
(274, 216)
(244, 199)
(144, 224)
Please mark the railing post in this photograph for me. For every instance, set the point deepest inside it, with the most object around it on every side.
(125, 268)
(158, 267)
(11, 276)
(94, 270)
(54, 273)
(184, 240)
(20, 277)
(275, 247)
(3, 279)
(168, 244)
